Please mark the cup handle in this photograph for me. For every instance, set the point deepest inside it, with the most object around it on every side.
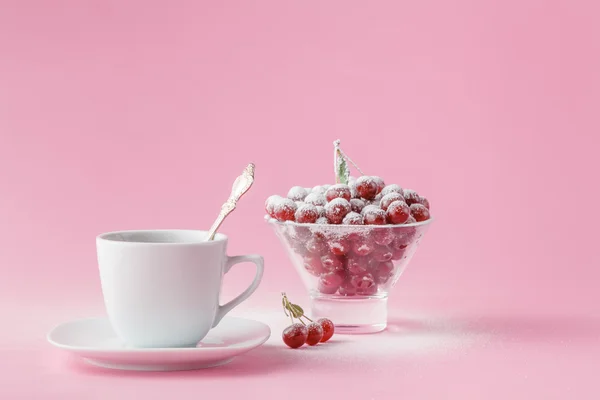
(231, 261)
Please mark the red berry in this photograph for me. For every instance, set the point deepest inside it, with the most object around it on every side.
(398, 254)
(331, 263)
(316, 199)
(369, 207)
(411, 220)
(329, 283)
(297, 193)
(353, 191)
(383, 272)
(270, 204)
(419, 212)
(380, 183)
(377, 200)
(400, 243)
(300, 233)
(316, 245)
(393, 188)
(357, 205)
(307, 214)
(321, 211)
(315, 333)
(356, 265)
(314, 265)
(425, 202)
(353, 218)
(336, 210)
(295, 335)
(405, 236)
(366, 187)
(340, 247)
(375, 216)
(389, 199)
(328, 329)
(298, 247)
(285, 210)
(338, 191)
(346, 289)
(363, 246)
(367, 291)
(322, 221)
(382, 254)
(398, 212)
(383, 237)
(411, 197)
(362, 283)
(318, 190)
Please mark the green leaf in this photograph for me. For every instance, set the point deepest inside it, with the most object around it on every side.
(341, 168)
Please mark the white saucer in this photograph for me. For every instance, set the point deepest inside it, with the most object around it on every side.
(94, 340)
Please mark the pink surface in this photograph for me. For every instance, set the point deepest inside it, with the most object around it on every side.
(132, 115)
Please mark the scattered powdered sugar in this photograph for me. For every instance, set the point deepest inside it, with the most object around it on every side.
(407, 334)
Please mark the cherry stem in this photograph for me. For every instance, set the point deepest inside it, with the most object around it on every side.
(339, 151)
(287, 308)
(352, 162)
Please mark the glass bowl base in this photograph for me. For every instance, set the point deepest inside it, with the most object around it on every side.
(351, 315)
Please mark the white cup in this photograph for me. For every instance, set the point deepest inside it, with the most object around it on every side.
(161, 287)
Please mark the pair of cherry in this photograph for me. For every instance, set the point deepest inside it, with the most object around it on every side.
(300, 333)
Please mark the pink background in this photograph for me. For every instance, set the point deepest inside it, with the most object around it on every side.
(139, 114)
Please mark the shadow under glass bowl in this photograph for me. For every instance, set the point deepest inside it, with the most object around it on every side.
(349, 270)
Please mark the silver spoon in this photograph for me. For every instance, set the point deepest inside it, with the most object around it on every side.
(240, 186)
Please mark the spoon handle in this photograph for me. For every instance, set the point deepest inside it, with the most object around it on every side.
(240, 186)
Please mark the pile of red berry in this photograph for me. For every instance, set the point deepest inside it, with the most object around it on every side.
(299, 333)
(364, 201)
(353, 237)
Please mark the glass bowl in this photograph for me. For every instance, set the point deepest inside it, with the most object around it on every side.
(349, 270)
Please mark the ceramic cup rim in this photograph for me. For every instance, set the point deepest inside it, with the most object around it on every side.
(108, 237)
